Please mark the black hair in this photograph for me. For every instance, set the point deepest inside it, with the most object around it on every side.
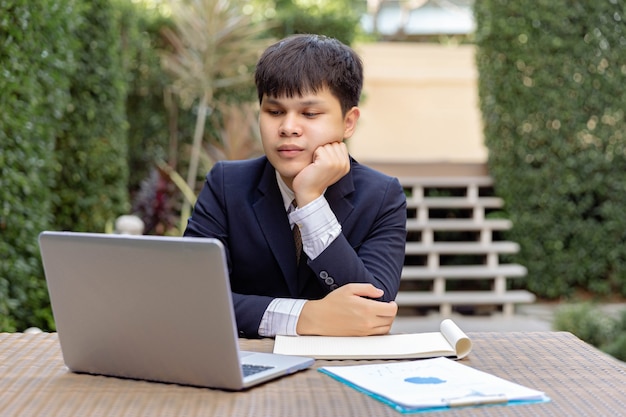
(301, 64)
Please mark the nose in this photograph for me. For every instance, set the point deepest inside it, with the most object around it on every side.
(290, 127)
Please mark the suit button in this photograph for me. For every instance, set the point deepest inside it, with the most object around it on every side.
(334, 287)
(329, 281)
(323, 274)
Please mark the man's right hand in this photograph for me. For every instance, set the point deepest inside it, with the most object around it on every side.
(345, 312)
(330, 163)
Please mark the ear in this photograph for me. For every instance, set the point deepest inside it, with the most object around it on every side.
(352, 116)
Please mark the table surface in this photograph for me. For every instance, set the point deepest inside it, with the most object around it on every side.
(579, 379)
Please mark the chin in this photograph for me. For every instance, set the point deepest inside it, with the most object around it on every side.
(288, 173)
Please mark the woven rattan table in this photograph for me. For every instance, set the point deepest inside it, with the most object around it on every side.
(580, 380)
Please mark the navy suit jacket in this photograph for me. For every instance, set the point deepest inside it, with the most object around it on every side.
(241, 205)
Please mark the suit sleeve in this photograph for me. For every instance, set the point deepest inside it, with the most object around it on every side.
(210, 219)
(378, 257)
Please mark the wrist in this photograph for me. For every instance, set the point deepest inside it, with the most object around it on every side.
(302, 199)
(306, 321)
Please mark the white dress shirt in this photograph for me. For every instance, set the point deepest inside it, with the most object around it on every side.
(319, 228)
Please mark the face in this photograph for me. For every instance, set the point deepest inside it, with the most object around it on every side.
(292, 128)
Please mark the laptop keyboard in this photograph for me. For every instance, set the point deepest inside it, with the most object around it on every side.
(249, 369)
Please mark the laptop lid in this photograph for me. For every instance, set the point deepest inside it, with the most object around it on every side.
(150, 307)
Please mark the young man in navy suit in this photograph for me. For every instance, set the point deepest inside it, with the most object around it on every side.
(352, 219)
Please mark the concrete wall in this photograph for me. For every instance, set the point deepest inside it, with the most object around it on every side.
(420, 106)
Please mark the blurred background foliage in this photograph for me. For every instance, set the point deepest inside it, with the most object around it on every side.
(599, 328)
(94, 124)
(90, 152)
(336, 18)
(551, 86)
(38, 56)
(214, 47)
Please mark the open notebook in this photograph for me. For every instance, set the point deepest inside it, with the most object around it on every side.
(450, 341)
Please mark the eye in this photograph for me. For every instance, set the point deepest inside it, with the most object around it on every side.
(311, 114)
(273, 112)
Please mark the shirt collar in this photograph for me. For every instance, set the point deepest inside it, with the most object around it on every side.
(285, 191)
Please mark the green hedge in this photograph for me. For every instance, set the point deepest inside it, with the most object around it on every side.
(37, 61)
(551, 86)
(148, 133)
(63, 136)
(604, 330)
(338, 19)
(91, 151)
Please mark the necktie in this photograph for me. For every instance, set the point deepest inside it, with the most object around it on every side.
(297, 238)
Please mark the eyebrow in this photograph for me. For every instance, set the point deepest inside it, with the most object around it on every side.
(270, 100)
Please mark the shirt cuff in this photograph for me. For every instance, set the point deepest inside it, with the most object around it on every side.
(318, 226)
(281, 317)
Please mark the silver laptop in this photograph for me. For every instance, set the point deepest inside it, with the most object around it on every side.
(151, 308)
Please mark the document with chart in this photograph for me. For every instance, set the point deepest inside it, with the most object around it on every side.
(431, 384)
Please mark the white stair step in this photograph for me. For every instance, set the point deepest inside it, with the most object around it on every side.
(454, 202)
(423, 298)
(459, 224)
(451, 248)
(463, 272)
(447, 182)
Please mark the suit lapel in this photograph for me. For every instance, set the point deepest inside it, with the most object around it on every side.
(270, 214)
(338, 196)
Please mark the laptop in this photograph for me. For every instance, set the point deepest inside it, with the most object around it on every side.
(151, 308)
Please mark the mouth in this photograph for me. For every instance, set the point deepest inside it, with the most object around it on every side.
(289, 150)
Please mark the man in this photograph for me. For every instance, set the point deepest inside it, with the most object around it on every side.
(351, 220)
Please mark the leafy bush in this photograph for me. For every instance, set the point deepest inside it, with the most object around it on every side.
(37, 61)
(617, 346)
(339, 19)
(91, 169)
(591, 324)
(587, 322)
(63, 138)
(551, 79)
(146, 109)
